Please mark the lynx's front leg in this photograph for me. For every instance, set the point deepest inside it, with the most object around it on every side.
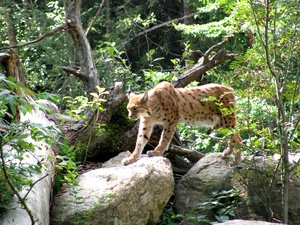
(145, 131)
(165, 139)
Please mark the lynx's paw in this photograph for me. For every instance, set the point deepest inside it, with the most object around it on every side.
(128, 161)
(153, 153)
(237, 156)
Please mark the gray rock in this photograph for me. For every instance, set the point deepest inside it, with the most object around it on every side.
(210, 173)
(247, 222)
(133, 194)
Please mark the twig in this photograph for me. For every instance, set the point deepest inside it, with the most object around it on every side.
(50, 33)
(206, 54)
(34, 183)
(11, 186)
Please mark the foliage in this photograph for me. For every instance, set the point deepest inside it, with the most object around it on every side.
(66, 166)
(221, 205)
(112, 66)
(78, 106)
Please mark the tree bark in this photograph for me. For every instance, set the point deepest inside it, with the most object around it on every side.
(13, 66)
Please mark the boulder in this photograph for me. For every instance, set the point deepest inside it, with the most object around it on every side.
(259, 191)
(209, 174)
(116, 194)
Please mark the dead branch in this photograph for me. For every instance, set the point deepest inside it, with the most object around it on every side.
(191, 155)
(165, 24)
(207, 53)
(74, 72)
(204, 65)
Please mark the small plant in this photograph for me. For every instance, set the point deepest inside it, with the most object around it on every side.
(221, 204)
(66, 166)
(80, 104)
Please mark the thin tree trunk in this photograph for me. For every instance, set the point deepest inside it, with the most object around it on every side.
(187, 10)
(88, 72)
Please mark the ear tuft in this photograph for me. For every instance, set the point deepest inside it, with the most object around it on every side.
(145, 97)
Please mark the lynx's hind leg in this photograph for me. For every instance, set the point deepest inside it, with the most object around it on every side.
(235, 144)
(165, 139)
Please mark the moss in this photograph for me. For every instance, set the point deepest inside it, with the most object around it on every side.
(120, 118)
(115, 130)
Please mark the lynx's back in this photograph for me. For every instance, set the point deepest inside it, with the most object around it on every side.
(205, 105)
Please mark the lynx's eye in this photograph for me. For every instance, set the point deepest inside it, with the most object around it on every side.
(134, 108)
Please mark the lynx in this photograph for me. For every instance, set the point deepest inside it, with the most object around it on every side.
(209, 105)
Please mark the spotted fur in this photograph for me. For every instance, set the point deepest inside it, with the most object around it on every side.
(210, 105)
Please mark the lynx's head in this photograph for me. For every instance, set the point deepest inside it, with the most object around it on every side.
(137, 106)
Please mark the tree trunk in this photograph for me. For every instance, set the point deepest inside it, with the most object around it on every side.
(88, 72)
(13, 66)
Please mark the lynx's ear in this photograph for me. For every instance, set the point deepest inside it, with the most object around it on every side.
(129, 93)
(145, 97)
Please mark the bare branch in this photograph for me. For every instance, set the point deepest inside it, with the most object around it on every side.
(200, 68)
(74, 72)
(50, 33)
(206, 54)
(95, 17)
(165, 24)
(34, 183)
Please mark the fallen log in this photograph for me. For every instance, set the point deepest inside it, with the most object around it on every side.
(31, 205)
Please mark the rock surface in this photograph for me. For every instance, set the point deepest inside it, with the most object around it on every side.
(247, 222)
(210, 173)
(116, 194)
(259, 189)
